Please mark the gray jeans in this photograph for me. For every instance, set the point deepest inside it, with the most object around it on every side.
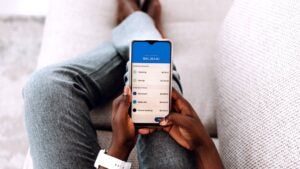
(58, 100)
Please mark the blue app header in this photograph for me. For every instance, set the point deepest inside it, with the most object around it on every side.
(144, 52)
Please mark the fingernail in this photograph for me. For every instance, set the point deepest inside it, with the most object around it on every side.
(126, 91)
(163, 122)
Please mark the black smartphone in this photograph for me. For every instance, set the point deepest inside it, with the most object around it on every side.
(151, 77)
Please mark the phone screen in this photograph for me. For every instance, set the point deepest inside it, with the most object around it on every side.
(150, 81)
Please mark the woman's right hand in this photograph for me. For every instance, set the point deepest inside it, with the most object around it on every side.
(185, 127)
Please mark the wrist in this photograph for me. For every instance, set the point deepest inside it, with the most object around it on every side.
(120, 152)
(208, 156)
(205, 145)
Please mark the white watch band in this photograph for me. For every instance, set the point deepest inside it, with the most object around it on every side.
(110, 162)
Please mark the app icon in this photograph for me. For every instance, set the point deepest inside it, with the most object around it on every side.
(134, 101)
(134, 110)
(134, 93)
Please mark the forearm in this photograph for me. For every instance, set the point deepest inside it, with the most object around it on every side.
(118, 152)
(208, 156)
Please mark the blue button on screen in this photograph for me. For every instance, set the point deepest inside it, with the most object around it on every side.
(158, 119)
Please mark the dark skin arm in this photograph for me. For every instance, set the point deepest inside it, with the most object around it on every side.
(124, 134)
(183, 125)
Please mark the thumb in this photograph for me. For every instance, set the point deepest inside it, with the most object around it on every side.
(125, 101)
(126, 95)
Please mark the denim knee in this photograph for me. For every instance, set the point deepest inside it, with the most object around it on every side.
(41, 93)
(40, 83)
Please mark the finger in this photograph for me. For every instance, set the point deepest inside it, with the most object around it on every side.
(130, 122)
(129, 93)
(175, 95)
(145, 131)
(165, 122)
(180, 120)
(177, 100)
(167, 128)
(181, 105)
(125, 98)
(124, 103)
(176, 134)
(126, 90)
(115, 105)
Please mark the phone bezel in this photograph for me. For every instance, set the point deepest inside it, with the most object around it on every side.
(155, 125)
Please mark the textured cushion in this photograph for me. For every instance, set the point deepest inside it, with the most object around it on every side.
(258, 78)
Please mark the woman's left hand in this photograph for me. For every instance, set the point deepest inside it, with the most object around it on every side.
(124, 134)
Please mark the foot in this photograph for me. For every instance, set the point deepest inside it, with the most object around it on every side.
(153, 9)
(125, 8)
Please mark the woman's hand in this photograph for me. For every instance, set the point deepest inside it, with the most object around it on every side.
(185, 127)
(124, 134)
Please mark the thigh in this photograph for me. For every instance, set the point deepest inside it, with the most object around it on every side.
(57, 102)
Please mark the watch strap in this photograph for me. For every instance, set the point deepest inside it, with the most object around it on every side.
(109, 162)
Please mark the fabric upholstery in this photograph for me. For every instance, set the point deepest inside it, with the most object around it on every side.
(258, 79)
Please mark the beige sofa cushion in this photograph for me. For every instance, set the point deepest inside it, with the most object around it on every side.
(258, 73)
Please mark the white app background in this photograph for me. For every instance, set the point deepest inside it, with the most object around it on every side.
(150, 91)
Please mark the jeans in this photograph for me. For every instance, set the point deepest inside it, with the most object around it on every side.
(58, 99)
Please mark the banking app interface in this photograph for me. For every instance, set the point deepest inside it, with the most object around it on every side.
(150, 81)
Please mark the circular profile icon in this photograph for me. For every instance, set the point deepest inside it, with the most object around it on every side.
(134, 109)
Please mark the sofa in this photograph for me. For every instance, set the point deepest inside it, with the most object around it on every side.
(238, 62)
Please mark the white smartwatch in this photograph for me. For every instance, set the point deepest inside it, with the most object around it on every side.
(109, 162)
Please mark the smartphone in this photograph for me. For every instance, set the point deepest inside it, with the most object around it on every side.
(151, 77)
